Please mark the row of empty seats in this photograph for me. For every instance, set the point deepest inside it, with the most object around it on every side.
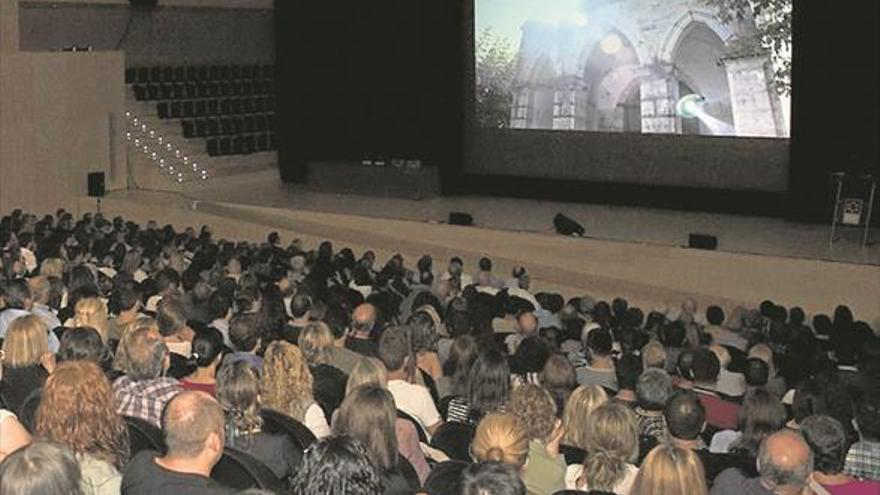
(213, 89)
(241, 144)
(248, 124)
(215, 107)
(198, 73)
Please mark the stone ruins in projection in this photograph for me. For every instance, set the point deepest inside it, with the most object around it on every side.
(627, 63)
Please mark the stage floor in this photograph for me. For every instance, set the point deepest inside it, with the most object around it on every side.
(736, 234)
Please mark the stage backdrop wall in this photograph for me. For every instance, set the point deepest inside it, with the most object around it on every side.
(177, 32)
(58, 122)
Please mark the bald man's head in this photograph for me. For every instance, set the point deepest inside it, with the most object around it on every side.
(364, 318)
(527, 323)
(785, 461)
(188, 421)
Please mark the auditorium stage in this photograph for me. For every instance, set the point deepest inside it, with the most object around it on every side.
(630, 251)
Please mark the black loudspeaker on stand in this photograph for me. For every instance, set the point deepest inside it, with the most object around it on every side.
(458, 218)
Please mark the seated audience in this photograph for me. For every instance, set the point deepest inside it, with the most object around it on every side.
(488, 389)
(26, 362)
(245, 333)
(341, 357)
(424, 339)
(502, 437)
(775, 384)
(171, 319)
(863, 458)
(704, 369)
(194, 437)
(612, 446)
(238, 391)
(316, 344)
(360, 338)
(77, 411)
(395, 353)
(41, 469)
(785, 464)
(491, 478)
(559, 378)
(720, 335)
(545, 471)
(653, 355)
(13, 435)
(144, 390)
(670, 470)
(761, 415)
(600, 366)
(338, 465)
(580, 406)
(627, 369)
(92, 312)
(827, 441)
(207, 352)
(368, 415)
(19, 302)
(653, 389)
(83, 344)
(728, 383)
(456, 369)
(41, 291)
(685, 422)
(286, 387)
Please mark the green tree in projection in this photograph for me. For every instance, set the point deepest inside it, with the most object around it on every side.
(773, 21)
(495, 67)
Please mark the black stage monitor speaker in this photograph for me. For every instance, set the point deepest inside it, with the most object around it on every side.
(567, 226)
(458, 218)
(703, 241)
(144, 4)
(96, 184)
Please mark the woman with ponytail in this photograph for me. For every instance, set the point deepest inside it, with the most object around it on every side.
(612, 437)
(501, 437)
(207, 352)
(238, 391)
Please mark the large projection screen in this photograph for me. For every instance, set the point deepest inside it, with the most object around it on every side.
(702, 85)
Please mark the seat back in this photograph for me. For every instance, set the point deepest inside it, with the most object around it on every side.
(239, 470)
(143, 435)
(27, 414)
(423, 435)
(276, 422)
(454, 439)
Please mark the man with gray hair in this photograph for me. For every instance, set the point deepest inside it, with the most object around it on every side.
(144, 390)
(194, 435)
(653, 389)
(785, 463)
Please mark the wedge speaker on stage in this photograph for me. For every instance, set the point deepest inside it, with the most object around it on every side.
(703, 241)
(458, 218)
(567, 226)
(144, 4)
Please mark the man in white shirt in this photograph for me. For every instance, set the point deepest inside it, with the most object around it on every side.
(395, 352)
(19, 302)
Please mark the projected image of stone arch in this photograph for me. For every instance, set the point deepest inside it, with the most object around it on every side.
(634, 66)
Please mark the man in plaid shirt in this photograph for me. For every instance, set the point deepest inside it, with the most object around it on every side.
(863, 459)
(144, 391)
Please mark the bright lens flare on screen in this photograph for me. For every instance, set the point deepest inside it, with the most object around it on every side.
(611, 44)
(690, 106)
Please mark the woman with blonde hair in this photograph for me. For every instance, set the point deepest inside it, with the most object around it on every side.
(27, 361)
(612, 446)
(91, 312)
(328, 383)
(367, 371)
(670, 470)
(501, 437)
(77, 411)
(580, 405)
(368, 414)
(286, 387)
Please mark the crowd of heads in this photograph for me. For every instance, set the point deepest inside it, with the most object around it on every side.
(621, 399)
